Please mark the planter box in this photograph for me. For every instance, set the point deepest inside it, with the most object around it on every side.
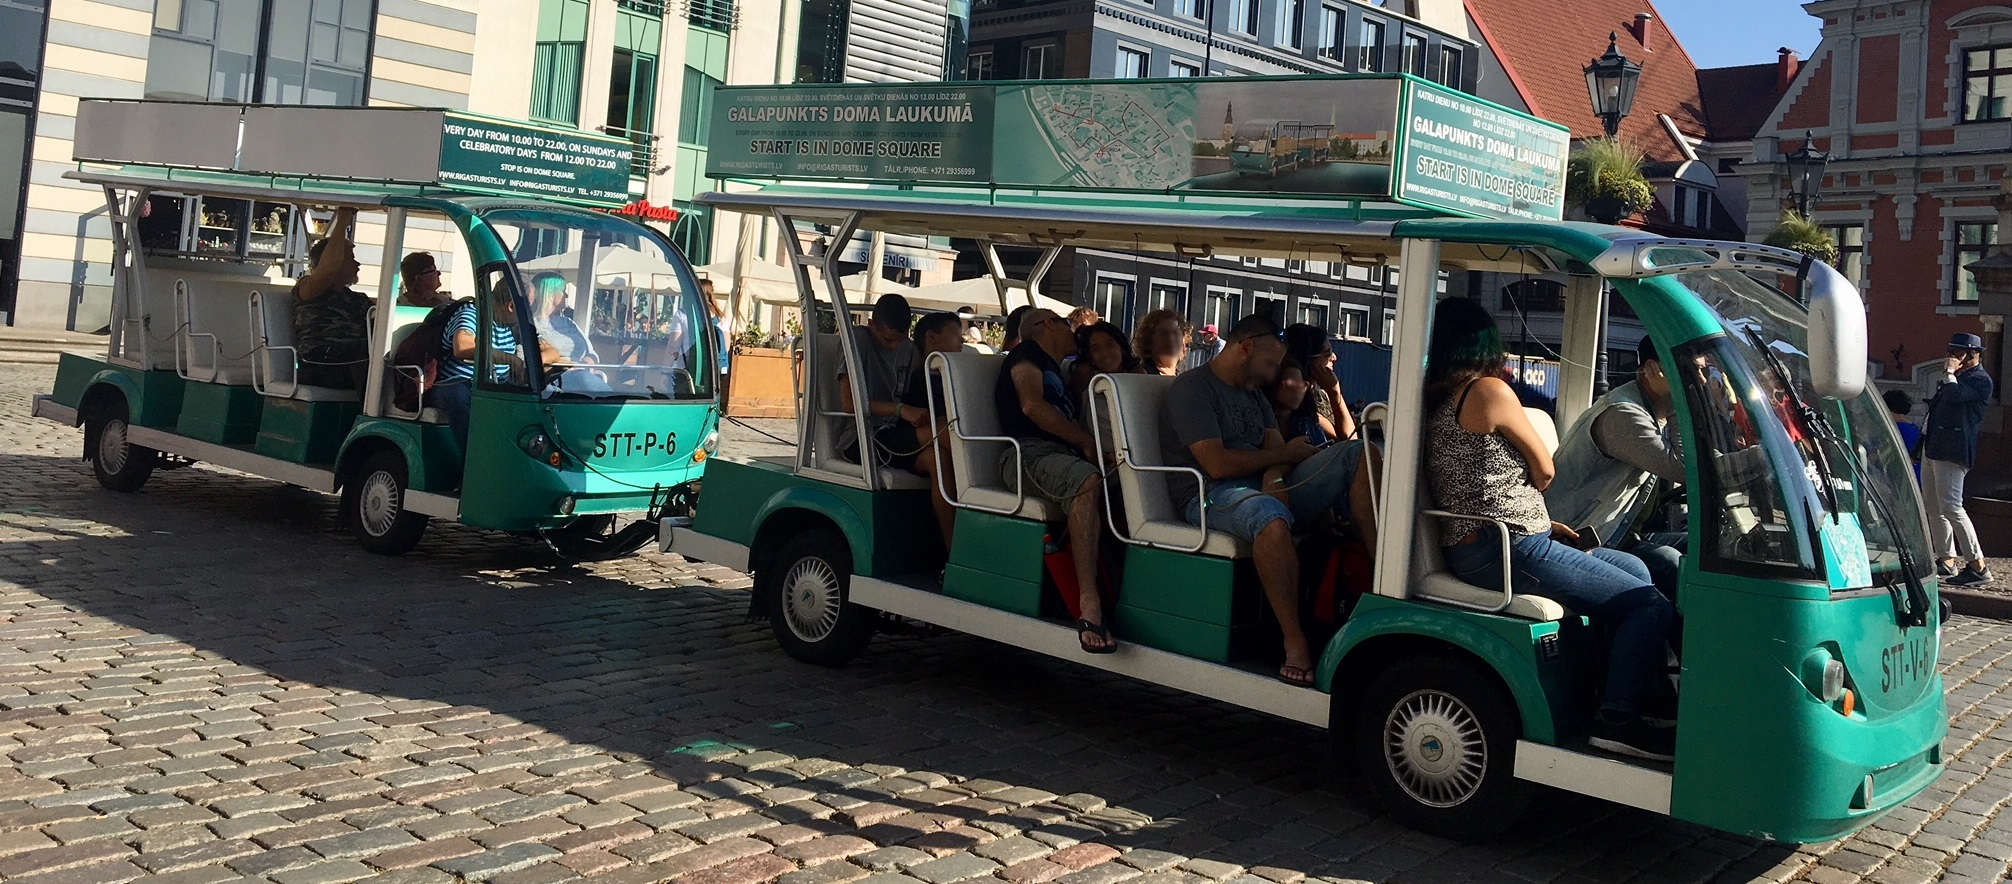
(1993, 519)
(762, 383)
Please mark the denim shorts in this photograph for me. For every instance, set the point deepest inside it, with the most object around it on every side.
(1238, 509)
(1318, 484)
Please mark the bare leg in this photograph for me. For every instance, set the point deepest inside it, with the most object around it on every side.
(1270, 483)
(1084, 532)
(927, 464)
(1278, 569)
(1361, 499)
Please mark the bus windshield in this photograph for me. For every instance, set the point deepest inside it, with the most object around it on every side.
(1855, 466)
(617, 304)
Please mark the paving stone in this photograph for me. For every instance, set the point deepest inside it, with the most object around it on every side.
(487, 864)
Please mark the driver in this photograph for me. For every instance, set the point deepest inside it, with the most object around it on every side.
(454, 389)
(1608, 464)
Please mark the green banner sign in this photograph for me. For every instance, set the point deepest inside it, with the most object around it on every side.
(1332, 137)
(493, 156)
(1465, 155)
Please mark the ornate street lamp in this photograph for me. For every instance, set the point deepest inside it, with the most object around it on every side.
(1805, 173)
(1610, 81)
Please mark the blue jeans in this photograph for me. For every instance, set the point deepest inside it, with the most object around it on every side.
(1237, 507)
(1610, 586)
(454, 398)
(1663, 553)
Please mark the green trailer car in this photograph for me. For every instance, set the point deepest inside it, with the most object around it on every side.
(1809, 701)
(201, 363)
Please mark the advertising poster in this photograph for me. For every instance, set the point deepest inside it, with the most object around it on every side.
(492, 155)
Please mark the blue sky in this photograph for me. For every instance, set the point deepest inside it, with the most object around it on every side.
(1720, 33)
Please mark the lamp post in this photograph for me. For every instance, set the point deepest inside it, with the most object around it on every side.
(1805, 173)
(1611, 81)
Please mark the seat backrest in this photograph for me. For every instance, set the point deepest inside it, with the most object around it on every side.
(967, 380)
(1129, 407)
(824, 401)
(1547, 429)
(273, 368)
(218, 344)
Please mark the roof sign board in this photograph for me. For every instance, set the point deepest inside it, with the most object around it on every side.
(409, 146)
(1336, 137)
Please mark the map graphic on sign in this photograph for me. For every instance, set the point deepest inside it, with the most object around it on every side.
(1132, 138)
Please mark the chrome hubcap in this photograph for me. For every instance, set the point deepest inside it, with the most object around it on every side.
(112, 446)
(1435, 748)
(810, 599)
(378, 504)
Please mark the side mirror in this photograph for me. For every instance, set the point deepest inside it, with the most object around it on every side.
(1836, 334)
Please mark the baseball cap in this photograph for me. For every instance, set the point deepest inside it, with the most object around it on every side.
(1210, 328)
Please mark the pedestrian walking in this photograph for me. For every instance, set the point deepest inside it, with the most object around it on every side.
(1949, 449)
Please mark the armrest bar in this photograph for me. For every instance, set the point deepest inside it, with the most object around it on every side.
(1508, 578)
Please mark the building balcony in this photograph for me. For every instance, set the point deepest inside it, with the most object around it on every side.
(643, 160)
(717, 15)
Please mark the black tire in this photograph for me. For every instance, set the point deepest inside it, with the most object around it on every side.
(1435, 741)
(373, 506)
(118, 464)
(805, 589)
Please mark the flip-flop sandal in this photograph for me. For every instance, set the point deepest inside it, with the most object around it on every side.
(1099, 630)
(1297, 676)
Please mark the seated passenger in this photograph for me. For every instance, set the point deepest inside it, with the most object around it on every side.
(1012, 327)
(454, 387)
(1057, 458)
(1484, 458)
(1105, 351)
(419, 279)
(331, 321)
(1161, 342)
(890, 361)
(1310, 346)
(934, 333)
(1293, 406)
(1216, 419)
(1608, 464)
(548, 316)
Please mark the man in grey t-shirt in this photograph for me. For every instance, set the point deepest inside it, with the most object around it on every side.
(1215, 418)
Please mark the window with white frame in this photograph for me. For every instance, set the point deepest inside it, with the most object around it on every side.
(1178, 68)
(1291, 23)
(1972, 240)
(1353, 323)
(1987, 83)
(1221, 308)
(1112, 295)
(1040, 61)
(1133, 64)
(1162, 295)
(1369, 46)
(1331, 20)
(1244, 16)
(1313, 313)
(1414, 55)
(1449, 65)
(979, 66)
(1189, 8)
(1850, 239)
(1269, 304)
(1389, 329)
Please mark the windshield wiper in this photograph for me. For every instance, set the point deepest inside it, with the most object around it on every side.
(1910, 608)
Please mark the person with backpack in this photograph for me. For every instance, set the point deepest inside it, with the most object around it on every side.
(1948, 451)
(454, 392)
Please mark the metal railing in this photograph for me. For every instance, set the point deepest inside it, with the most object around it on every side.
(643, 158)
(719, 15)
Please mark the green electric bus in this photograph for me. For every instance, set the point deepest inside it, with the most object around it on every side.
(1809, 701)
(202, 365)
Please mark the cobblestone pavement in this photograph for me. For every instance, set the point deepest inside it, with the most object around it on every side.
(207, 680)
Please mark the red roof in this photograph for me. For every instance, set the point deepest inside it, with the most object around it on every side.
(1546, 48)
(1738, 99)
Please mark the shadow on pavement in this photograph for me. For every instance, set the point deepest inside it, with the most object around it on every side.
(632, 658)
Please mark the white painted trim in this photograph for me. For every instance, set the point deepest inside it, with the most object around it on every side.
(702, 547)
(1261, 693)
(439, 506)
(1603, 778)
(50, 409)
(311, 478)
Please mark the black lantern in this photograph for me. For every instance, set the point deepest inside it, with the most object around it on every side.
(1805, 173)
(1611, 80)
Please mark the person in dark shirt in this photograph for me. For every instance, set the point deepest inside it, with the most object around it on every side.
(1291, 401)
(1902, 405)
(1948, 451)
(1056, 456)
(331, 320)
(918, 431)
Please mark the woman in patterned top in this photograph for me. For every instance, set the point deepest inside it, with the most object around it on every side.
(1484, 458)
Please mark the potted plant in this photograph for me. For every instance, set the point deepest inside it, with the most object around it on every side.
(1800, 234)
(1604, 177)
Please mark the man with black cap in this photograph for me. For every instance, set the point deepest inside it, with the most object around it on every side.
(1948, 450)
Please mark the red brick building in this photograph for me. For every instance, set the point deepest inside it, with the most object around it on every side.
(1913, 101)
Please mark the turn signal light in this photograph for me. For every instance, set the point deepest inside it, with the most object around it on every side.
(1850, 703)
(698, 455)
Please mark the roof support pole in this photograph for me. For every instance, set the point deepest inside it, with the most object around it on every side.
(1418, 294)
(1004, 283)
(1585, 297)
(826, 263)
(387, 308)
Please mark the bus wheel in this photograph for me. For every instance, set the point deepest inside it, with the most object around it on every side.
(1436, 741)
(804, 589)
(373, 503)
(118, 463)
